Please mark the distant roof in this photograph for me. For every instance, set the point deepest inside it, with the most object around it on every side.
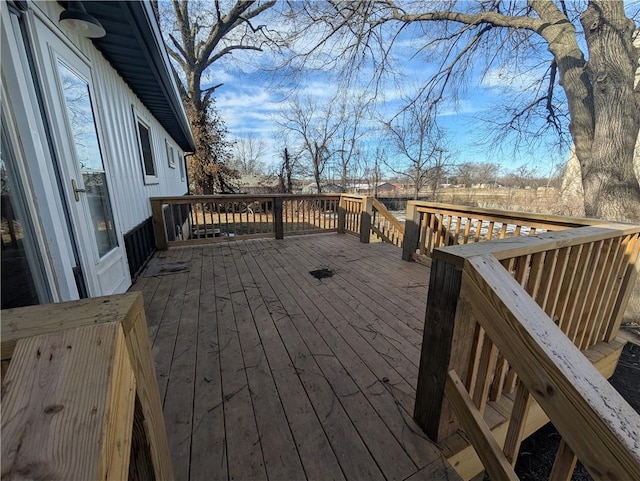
(251, 180)
(327, 188)
(134, 47)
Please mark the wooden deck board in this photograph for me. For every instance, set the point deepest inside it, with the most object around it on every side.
(268, 373)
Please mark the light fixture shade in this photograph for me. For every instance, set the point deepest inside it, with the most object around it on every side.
(76, 19)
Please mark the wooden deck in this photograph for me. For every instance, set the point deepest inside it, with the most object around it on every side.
(268, 373)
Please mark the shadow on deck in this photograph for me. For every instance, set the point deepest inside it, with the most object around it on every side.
(268, 372)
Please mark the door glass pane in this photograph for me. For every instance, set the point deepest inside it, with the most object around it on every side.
(18, 286)
(85, 138)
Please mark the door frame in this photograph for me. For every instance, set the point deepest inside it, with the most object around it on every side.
(51, 44)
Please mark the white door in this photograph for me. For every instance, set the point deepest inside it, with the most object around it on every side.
(75, 124)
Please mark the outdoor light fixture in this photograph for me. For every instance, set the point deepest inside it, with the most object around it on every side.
(76, 19)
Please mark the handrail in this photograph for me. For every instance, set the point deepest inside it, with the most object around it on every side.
(515, 313)
(547, 219)
(591, 416)
(385, 225)
(431, 225)
(521, 246)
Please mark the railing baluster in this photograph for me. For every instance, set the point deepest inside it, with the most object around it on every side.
(490, 231)
(457, 232)
(567, 282)
(577, 291)
(486, 366)
(479, 223)
(474, 359)
(550, 262)
(499, 375)
(446, 225)
(503, 231)
(517, 423)
(591, 290)
(607, 291)
(564, 464)
(467, 230)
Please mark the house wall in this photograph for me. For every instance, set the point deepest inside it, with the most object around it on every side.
(38, 156)
(122, 159)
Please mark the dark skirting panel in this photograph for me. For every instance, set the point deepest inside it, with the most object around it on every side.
(140, 245)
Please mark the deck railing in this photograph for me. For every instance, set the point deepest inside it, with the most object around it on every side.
(512, 316)
(430, 225)
(385, 226)
(212, 218)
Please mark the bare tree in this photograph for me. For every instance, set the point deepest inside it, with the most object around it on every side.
(313, 125)
(590, 66)
(200, 34)
(482, 173)
(286, 173)
(415, 137)
(248, 150)
(349, 134)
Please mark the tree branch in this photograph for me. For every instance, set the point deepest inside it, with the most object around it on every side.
(492, 18)
(229, 50)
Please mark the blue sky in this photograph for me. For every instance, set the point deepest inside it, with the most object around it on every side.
(252, 99)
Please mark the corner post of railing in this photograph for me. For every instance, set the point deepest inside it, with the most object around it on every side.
(159, 227)
(366, 216)
(278, 226)
(411, 232)
(447, 341)
(342, 214)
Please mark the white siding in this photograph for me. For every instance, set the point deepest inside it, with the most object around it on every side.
(118, 135)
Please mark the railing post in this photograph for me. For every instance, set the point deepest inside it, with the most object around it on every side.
(278, 226)
(342, 214)
(411, 232)
(447, 341)
(366, 216)
(159, 227)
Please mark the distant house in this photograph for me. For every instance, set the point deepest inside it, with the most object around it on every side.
(362, 188)
(259, 184)
(327, 188)
(91, 129)
(386, 188)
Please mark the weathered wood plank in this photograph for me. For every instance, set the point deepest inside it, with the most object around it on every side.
(244, 455)
(485, 445)
(178, 400)
(561, 379)
(92, 363)
(350, 449)
(315, 452)
(31, 321)
(208, 447)
(127, 309)
(383, 388)
(279, 452)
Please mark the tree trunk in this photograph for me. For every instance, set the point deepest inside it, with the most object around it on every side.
(610, 184)
(317, 159)
(343, 176)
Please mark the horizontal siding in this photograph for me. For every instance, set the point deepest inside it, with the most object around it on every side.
(114, 100)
